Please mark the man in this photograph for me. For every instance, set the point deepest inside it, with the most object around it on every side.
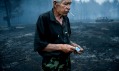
(52, 37)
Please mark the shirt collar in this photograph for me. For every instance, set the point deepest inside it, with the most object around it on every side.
(52, 17)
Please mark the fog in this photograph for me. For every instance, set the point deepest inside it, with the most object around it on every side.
(81, 10)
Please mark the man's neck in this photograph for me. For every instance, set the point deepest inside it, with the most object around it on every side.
(58, 16)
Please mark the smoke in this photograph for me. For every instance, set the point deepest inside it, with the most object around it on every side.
(100, 2)
(80, 10)
(92, 9)
(32, 9)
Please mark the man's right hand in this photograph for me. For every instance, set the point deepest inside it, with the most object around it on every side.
(67, 48)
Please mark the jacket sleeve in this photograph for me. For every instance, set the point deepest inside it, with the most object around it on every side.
(69, 28)
(39, 42)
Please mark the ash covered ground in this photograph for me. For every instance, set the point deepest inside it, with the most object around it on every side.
(99, 40)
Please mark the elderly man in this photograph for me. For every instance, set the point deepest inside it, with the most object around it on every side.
(52, 37)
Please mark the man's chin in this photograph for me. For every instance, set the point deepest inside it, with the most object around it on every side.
(65, 14)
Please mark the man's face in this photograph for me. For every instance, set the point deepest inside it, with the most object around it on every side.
(63, 7)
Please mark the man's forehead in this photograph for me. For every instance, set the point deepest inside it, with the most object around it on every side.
(64, 0)
(67, 0)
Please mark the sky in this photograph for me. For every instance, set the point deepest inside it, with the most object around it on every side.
(98, 1)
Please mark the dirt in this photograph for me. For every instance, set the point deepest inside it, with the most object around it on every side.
(99, 40)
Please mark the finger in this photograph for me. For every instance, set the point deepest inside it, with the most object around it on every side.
(75, 52)
(79, 52)
(76, 45)
(67, 51)
(82, 50)
(72, 47)
(72, 50)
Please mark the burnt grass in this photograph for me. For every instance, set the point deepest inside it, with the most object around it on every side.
(99, 40)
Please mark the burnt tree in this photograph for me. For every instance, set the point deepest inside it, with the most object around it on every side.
(11, 8)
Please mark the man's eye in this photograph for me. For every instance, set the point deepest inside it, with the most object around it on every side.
(67, 3)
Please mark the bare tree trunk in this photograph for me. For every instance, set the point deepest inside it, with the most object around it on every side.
(8, 14)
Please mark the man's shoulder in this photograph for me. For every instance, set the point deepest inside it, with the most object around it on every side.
(45, 14)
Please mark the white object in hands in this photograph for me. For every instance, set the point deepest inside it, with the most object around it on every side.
(77, 49)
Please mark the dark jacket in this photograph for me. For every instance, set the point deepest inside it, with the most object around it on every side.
(49, 30)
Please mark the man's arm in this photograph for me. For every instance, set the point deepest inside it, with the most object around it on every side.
(61, 47)
(39, 43)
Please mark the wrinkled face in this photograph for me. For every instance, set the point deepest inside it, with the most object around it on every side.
(63, 7)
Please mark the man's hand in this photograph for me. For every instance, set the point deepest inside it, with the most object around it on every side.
(76, 45)
(67, 48)
(81, 50)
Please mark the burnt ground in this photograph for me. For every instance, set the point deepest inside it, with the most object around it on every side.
(99, 40)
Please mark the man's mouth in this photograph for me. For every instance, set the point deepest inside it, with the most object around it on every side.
(67, 12)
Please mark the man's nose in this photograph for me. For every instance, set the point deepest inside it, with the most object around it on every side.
(68, 7)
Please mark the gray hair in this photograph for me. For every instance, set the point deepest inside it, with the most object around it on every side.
(58, 0)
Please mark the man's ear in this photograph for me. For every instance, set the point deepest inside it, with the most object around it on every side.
(54, 2)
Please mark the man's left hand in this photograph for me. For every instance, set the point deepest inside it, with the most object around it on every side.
(76, 45)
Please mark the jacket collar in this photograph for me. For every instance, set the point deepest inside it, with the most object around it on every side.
(52, 17)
